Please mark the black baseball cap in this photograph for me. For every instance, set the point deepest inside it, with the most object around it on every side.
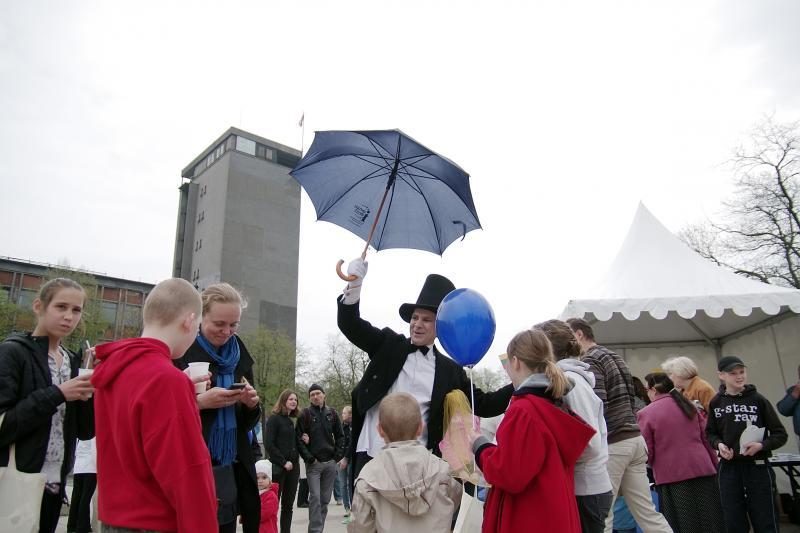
(729, 362)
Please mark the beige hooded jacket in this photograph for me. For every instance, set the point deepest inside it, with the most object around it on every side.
(405, 489)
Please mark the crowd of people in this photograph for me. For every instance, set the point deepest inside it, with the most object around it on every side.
(172, 414)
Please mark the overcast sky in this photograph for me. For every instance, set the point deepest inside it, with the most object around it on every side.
(566, 115)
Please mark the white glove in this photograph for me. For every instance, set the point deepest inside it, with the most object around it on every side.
(352, 292)
(357, 267)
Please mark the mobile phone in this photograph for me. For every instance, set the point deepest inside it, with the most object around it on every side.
(237, 386)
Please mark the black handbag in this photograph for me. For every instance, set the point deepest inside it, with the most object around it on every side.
(225, 482)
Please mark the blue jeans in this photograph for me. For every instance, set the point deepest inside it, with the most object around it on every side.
(745, 490)
(343, 484)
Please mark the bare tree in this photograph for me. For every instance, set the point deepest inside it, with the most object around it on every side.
(489, 380)
(276, 359)
(340, 370)
(758, 234)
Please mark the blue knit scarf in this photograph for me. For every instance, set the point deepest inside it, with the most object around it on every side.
(222, 438)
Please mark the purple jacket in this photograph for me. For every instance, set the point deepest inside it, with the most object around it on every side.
(677, 448)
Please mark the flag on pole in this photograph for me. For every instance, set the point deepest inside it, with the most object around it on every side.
(302, 120)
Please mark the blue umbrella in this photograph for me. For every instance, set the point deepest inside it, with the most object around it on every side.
(423, 199)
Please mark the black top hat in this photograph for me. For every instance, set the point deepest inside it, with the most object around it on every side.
(434, 290)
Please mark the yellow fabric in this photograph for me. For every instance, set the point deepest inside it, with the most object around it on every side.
(456, 445)
(700, 390)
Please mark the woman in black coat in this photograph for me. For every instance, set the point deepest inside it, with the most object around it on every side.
(44, 405)
(227, 415)
(280, 442)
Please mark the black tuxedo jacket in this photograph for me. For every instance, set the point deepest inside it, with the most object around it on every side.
(388, 351)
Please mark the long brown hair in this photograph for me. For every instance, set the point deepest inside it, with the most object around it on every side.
(280, 405)
(561, 337)
(535, 351)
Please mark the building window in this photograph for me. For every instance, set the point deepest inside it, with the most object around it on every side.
(108, 312)
(132, 321)
(26, 298)
(245, 145)
(201, 217)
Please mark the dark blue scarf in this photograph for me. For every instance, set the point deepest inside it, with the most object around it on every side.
(222, 438)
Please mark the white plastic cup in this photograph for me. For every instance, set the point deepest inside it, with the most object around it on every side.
(195, 371)
(86, 372)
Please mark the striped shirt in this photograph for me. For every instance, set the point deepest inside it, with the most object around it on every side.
(613, 385)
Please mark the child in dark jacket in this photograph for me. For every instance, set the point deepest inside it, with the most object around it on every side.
(742, 467)
(531, 469)
(269, 497)
(44, 402)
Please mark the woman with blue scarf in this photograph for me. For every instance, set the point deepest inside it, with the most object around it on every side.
(227, 415)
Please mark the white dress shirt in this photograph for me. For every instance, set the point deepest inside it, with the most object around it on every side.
(416, 378)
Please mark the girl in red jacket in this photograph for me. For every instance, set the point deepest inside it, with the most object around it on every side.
(531, 467)
(269, 497)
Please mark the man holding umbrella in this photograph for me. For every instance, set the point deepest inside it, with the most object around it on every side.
(410, 364)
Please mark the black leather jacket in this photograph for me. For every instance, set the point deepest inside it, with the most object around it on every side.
(28, 401)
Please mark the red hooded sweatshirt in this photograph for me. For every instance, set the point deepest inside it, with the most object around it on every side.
(153, 467)
(531, 469)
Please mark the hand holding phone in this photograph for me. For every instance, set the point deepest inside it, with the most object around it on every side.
(237, 386)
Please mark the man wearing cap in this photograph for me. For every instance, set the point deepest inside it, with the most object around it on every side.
(320, 442)
(745, 479)
(410, 364)
(627, 451)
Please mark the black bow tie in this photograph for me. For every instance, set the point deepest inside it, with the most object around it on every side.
(422, 349)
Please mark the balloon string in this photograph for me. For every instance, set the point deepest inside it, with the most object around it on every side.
(472, 398)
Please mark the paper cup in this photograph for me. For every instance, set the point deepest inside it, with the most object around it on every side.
(196, 370)
(85, 372)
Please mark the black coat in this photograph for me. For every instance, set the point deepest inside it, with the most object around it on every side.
(246, 419)
(280, 441)
(387, 351)
(324, 430)
(28, 399)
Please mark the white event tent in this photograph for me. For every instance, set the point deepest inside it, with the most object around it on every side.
(660, 298)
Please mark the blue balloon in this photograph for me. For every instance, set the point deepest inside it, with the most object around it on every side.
(465, 326)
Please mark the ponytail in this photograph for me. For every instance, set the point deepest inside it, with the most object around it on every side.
(559, 383)
(686, 406)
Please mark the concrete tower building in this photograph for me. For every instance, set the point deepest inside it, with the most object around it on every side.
(239, 222)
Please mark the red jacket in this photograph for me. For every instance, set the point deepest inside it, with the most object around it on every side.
(531, 467)
(269, 510)
(153, 467)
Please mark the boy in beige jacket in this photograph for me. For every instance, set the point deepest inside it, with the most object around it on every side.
(405, 488)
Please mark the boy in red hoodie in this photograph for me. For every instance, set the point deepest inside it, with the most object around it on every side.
(269, 497)
(153, 467)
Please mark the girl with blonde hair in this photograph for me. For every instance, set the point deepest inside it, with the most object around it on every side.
(539, 441)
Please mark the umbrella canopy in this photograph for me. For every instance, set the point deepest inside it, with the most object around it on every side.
(388, 189)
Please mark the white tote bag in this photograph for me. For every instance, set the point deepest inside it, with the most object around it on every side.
(470, 515)
(20, 497)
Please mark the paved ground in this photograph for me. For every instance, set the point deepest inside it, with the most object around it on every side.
(333, 524)
(336, 513)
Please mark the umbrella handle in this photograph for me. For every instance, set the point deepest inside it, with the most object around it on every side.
(341, 274)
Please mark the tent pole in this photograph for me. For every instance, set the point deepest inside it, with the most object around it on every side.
(714, 343)
(778, 353)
